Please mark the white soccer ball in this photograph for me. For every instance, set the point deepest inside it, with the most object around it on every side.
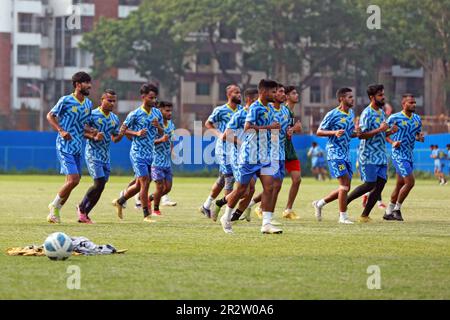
(58, 246)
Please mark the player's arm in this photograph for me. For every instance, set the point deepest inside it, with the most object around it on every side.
(369, 134)
(330, 133)
(53, 120)
(210, 126)
(395, 144)
(272, 126)
(163, 139)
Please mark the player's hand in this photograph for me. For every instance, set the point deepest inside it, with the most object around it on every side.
(165, 138)
(394, 128)
(396, 144)
(358, 132)
(99, 136)
(339, 133)
(290, 132)
(383, 127)
(421, 137)
(275, 126)
(297, 126)
(155, 123)
(142, 133)
(122, 130)
(65, 135)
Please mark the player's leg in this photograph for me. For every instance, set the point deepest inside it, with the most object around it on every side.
(228, 188)
(244, 204)
(122, 193)
(215, 191)
(369, 177)
(344, 188)
(232, 201)
(267, 203)
(144, 181)
(160, 187)
(296, 177)
(380, 182)
(71, 168)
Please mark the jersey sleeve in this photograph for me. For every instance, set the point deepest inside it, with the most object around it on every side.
(234, 122)
(116, 128)
(58, 109)
(364, 122)
(215, 116)
(252, 115)
(327, 122)
(130, 120)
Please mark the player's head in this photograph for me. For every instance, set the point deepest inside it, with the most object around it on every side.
(345, 97)
(376, 94)
(267, 89)
(81, 82)
(233, 93)
(280, 95)
(251, 95)
(109, 100)
(408, 102)
(166, 109)
(149, 92)
(314, 144)
(292, 95)
(448, 147)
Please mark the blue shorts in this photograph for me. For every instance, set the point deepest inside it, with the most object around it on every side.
(281, 172)
(141, 167)
(162, 173)
(403, 168)
(371, 172)
(318, 164)
(226, 169)
(98, 169)
(438, 166)
(70, 163)
(340, 168)
(247, 172)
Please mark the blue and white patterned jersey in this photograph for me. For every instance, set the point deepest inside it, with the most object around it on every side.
(283, 117)
(339, 148)
(72, 115)
(139, 119)
(256, 146)
(109, 125)
(437, 159)
(373, 150)
(408, 128)
(237, 124)
(162, 153)
(316, 154)
(220, 117)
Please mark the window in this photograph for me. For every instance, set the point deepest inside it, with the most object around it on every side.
(227, 32)
(202, 89)
(130, 2)
(28, 55)
(315, 94)
(28, 88)
(25, 22)
(252, 62)
(227, 60)
(70, 57)
(203, 59)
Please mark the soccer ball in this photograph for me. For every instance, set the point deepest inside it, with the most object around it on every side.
(58, 246)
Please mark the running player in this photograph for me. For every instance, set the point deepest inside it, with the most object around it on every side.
(255, 157)
(235, 134)
(339, 127)
(97, 154)
(70, 117)
(217, 122)
(409, 131)
(142, 124)
(162, 164)
(317, 161)
(372, 150)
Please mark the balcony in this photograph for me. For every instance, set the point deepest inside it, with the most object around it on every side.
(29, 6)
(124, 11)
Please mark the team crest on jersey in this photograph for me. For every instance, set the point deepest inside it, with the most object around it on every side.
(285, 117)
(266, 115)
(416, 124)
(113, 123)
(378, 120)
(100, 121)
(343, 119)
(404, 123)
(74, 109)
(86, 111)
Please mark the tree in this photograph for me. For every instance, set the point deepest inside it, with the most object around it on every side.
(420, 30)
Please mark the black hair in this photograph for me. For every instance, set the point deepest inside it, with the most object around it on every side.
(267, 84)
(373, 89)
(314, 143)
(146, 88)
(341, 92)
(289, 89)
(280, 85)
(250, 92)
(80, 77)
(110, 91)
(163, 104)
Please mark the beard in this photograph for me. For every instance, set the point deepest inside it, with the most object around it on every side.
(84, 92)
(380, 103)
(236, 100)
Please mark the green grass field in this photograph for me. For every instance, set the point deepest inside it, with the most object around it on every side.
(186, 256)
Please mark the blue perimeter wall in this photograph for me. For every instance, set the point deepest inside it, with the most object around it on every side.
(35, 151)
